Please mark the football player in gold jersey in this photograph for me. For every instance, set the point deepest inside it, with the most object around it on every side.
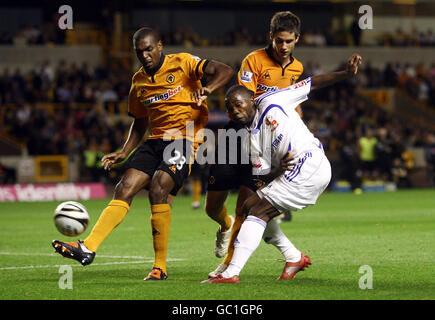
(166, 94)
(263, 70)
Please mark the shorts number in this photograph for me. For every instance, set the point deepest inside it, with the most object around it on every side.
(178, 160)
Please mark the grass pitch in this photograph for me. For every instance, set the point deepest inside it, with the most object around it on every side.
(392, 233)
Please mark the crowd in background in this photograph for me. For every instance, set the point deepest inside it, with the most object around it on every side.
(188, 37)
(89, 132)
(68, 83)
(64, 83)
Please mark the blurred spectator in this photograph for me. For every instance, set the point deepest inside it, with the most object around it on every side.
(384, 155)
(356, 32)
(400, 174)
(7, 175)
(92, 156)
(429, 152)
(349, 160)
(366, 149)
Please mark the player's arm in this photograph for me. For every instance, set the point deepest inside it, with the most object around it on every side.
(218, 74)
(328, 79)
(135, 135)
(248, 74)
(286, 164)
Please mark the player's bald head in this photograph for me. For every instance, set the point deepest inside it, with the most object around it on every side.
(145, 32)
(239, 90)
(240, 104)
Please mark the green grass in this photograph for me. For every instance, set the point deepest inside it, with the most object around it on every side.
(393, 233)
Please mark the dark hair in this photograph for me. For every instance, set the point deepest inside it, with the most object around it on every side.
(144, 32)
(285, 21)
(238, 89)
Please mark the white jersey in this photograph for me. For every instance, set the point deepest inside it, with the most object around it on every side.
(277, 128)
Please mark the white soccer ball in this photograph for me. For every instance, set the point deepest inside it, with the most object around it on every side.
(71, 218)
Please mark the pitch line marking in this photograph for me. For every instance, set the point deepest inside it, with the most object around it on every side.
(78, 265)
(53, 255)
(144, 260)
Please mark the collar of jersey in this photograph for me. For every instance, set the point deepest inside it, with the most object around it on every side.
(270, 54)
(162, 59)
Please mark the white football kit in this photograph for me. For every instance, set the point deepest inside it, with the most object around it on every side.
(276, 129)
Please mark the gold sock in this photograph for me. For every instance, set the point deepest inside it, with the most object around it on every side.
(223, 219)
(160, 224)
(234, 233)
(110, 217)
(196, 190)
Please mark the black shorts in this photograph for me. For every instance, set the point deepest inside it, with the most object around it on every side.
(151, 156)
(230, 176)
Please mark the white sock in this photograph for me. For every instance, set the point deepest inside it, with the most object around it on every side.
(274, 235)
(247, 241)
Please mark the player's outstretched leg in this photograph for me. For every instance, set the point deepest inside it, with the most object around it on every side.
(74, 250)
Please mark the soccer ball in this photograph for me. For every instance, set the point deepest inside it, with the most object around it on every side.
(71, 218)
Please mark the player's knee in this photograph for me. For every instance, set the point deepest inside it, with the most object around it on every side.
(212, 210)
(255, 211)
(125, 190)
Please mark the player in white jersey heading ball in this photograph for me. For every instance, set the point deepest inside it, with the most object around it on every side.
(275, 130)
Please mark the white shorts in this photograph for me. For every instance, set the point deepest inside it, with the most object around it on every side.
(297, 189)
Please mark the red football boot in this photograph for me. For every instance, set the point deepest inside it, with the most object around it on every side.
(220, 279)
(291, 268)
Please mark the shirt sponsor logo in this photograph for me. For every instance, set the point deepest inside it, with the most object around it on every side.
(164, 96)
(277, 141)
(264, 88)
(246, 76)
(272, 123)
(256, 163)
(300, 84)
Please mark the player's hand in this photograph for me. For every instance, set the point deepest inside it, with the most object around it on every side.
(287, 163)
(352, 64)
(200, 95)
(110, 159)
